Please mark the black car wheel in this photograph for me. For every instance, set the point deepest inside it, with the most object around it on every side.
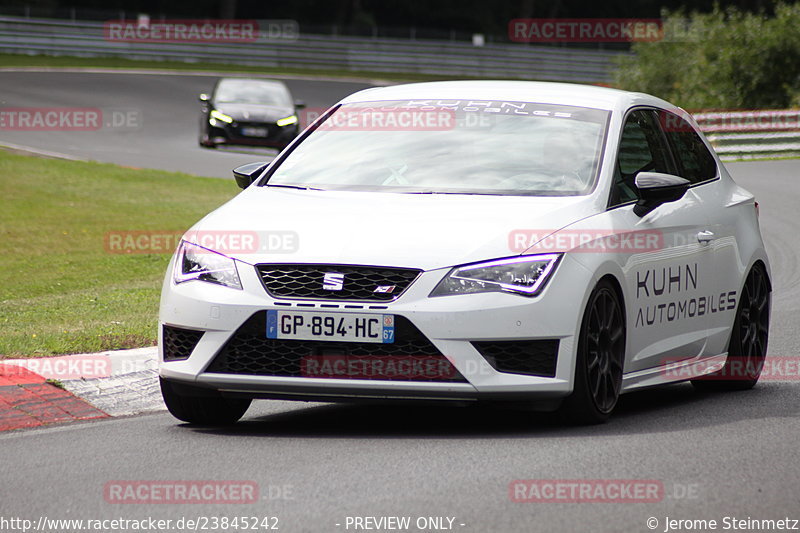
(747, 348)
(205, 142)
(600, 358)
(202, 410)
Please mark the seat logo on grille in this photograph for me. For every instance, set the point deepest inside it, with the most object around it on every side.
(333, 281)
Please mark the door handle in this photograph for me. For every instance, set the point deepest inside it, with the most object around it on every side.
(705, 236)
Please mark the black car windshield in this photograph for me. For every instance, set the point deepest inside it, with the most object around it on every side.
(451, 146)
(252, 92)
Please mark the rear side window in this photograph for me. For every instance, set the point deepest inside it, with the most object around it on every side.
(695, 162)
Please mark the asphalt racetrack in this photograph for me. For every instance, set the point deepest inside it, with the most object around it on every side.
(149, 120)
(718, 456)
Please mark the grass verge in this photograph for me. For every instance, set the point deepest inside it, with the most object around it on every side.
(43, 61)
(63, 292)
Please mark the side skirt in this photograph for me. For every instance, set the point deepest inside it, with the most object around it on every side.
(673, 372)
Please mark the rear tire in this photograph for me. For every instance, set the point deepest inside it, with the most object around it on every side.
(206, 411)
(747, 348)
(601, 353)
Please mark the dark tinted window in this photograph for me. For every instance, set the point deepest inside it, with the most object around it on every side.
(245, 91)
(695, 162)
(642, 148)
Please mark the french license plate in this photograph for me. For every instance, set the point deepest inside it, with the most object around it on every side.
(312, 325)
(254, 132)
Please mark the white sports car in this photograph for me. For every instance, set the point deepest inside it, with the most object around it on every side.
(500, 241)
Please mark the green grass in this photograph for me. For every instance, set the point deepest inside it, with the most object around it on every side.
(62, 292)
(21, 60)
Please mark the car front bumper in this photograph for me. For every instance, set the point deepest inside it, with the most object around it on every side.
(451, 323)
(277, 137)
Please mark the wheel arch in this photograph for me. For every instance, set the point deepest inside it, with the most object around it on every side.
(613, 273)
(611, 278)
(760, 262)
(617, 286)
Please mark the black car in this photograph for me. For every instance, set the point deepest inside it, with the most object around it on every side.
(249, 112)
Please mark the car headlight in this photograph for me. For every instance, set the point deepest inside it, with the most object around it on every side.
(197, 263)
(287, 121)
(221, 116)
(525, 275)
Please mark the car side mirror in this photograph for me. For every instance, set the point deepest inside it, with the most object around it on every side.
(204, 97)
(299, 104)
(245, 175)
(656, 188)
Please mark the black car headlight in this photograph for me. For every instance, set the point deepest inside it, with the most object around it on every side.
(525, 275)
(194, 262)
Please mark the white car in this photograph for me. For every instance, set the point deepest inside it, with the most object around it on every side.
(551, 244)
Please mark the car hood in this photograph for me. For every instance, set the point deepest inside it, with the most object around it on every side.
(254, 112)
(426, 231)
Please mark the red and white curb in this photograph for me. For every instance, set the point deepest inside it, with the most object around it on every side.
(81, 387)
(26, 400)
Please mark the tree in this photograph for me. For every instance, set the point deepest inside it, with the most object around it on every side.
(723, 59)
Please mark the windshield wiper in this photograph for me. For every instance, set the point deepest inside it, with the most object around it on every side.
(300, 187)
(448, 192)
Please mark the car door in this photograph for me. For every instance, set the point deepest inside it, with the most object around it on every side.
(696, 164)
(665, 319)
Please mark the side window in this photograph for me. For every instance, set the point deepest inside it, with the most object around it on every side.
(641, 148)
(695, 162)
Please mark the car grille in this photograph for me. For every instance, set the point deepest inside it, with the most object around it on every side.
(273, 130)
(360, 282)
(179, 343)
(249, 352)
(532, 357)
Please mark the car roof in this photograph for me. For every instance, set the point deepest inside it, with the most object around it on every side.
(590, 96)
(275, 83)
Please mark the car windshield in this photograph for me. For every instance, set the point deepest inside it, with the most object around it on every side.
(458, 147)
(252, 92)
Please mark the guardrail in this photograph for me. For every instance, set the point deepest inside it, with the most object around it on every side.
(735, 135)
(400, 56)
(752, 134)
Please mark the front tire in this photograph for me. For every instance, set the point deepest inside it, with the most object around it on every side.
(599, 362)
(201, 410)
(205, 141)
(747, 348)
